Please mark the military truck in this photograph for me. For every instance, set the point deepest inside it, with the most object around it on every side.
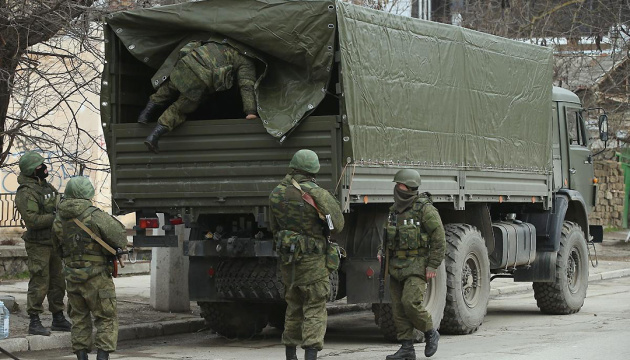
(502, 152)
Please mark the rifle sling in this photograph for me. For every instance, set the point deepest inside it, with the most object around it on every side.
(94, 236)
(308, 198)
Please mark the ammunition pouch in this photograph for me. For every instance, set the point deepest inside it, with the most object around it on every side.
(292, 246)
(334, 253)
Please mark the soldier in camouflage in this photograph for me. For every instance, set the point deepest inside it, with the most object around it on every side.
(416, 246)
(202, 69)
(36, 201)
(87, 267)
(298, 232)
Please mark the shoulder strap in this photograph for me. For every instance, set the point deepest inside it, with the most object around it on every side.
(308, 198)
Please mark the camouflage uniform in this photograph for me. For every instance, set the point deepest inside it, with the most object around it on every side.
(87, 267)
(304, 273)
(202, 70)
(413, 249)
(36, 201)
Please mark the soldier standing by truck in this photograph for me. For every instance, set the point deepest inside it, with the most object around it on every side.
(202, 69)
(416, 246)
(91, 290)
(300, 241)
(36, 200)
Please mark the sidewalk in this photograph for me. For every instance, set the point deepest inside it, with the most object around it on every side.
(138, 320)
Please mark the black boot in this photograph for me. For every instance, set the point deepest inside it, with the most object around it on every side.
(60, 323)
(102, 355)
(310, 354)
(431, 338)
(152, 140)
(406, 352)
(151, 112)
(35, 327)
(291, 353)
(82, 355)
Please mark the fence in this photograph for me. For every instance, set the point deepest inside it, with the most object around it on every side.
(9, 216)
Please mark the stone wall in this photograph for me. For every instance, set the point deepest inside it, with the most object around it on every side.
(12, 261)
(610, 195)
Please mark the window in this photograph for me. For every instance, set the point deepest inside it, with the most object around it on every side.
(575, 131)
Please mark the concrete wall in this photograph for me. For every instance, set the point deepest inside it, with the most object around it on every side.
(610, 195)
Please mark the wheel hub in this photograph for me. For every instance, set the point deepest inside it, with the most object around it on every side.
(573, 270)
(470, 280)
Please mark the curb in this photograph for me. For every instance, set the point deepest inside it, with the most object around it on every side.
(58, 340)
(61, 340)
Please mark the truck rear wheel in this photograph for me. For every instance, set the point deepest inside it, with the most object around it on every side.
(434, 300)
(566, 294)
(468, 280)
(234, 320)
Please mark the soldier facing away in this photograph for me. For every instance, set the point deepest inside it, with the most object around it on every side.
(298, 232)
(87, 268)
(36, 201)
(202, 69)
(416, 244)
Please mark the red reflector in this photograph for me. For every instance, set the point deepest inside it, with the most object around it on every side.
(177, 221)
(149, 223)
(369, 272)
(211, 272)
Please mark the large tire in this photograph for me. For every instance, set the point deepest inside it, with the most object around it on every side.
(234, 320)
(434, 301)
(468, 280)
(566, 294)
(249, 279)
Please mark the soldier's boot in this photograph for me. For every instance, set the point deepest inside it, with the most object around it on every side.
(152, 140)
(310, 354)
(406, 352)
(431, 338)
(102, 355)
(82, 355)
(291, 353)
(151, 112)
(35, 327)
(60, 323)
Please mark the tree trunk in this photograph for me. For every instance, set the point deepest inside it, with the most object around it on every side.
(9, 60)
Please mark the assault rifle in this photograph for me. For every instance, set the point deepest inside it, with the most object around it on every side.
(382, 276)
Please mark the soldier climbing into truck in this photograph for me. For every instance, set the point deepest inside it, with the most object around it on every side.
(202, 68)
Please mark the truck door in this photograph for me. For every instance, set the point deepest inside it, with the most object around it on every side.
(580, 159)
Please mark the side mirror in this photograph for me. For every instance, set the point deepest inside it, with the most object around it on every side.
(603, 127)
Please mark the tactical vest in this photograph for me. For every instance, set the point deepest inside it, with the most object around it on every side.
(77, 245)
(46, 202)
(406, 235)
(301, 228)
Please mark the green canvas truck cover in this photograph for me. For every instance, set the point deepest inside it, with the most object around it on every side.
(415, 92)
(440, 95)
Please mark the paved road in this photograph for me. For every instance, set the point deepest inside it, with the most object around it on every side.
(514, 329)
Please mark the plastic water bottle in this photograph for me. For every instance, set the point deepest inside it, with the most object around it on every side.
(4, 321)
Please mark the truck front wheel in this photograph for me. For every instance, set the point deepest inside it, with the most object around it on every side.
(468, 280)
(234, 320)
(566, 294)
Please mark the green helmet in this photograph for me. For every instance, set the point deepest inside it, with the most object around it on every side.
(409, 177)
(79, 187)
(305, 160)
(29, 161)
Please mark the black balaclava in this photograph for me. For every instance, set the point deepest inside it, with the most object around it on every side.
(41, 172)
